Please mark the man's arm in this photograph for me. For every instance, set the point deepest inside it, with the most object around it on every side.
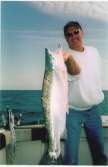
(73, 67)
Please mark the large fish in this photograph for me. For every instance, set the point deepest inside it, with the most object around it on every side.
(55, 99)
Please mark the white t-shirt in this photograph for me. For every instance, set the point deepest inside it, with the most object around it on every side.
(85, 88)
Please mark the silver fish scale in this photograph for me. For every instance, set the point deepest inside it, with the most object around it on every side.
(46, 105)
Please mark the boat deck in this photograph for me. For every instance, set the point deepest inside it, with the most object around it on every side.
(31, 145)
(30, 152)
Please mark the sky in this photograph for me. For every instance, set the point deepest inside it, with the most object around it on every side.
(28, 27)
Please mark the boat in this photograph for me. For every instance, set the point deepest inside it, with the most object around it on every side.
(26, 144)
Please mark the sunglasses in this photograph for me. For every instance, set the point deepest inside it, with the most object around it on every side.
(76, 32)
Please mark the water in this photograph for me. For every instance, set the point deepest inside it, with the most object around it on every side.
(29, 101)
(26, 102)
(23, 100)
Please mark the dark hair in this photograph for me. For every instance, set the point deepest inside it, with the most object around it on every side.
(71, 24)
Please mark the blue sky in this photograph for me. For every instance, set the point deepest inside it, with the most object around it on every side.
(29, 27)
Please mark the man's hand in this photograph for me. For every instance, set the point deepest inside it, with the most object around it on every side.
(72, 66)
(66, 55)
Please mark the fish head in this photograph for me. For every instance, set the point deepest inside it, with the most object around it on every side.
(58, 61)
(54, 60)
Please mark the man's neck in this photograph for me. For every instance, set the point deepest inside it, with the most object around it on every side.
(79, 49)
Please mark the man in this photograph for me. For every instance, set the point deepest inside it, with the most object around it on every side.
(85, 95)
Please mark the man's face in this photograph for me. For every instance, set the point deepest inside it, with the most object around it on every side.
(74, 37)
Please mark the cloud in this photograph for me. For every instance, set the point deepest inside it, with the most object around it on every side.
(95, 10)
